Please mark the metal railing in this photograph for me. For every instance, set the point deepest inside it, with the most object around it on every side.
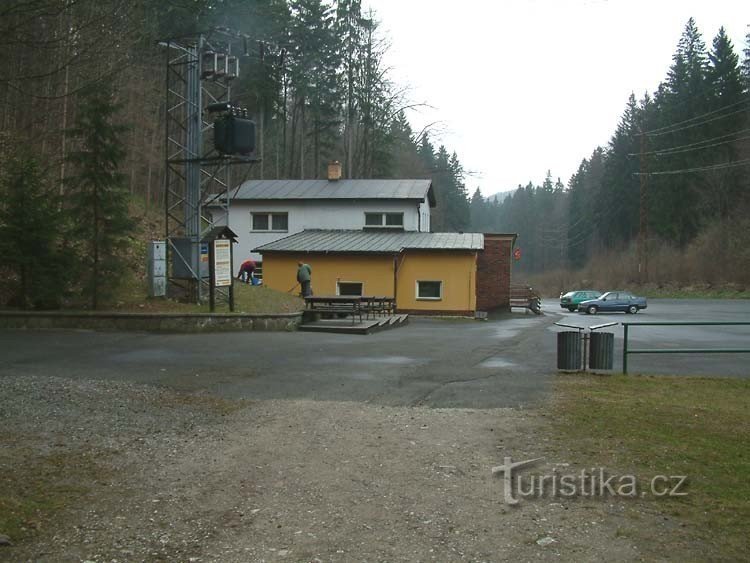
(626, 351)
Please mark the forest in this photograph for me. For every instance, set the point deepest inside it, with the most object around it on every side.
(314, 80)
(672, 181)
(667, 200)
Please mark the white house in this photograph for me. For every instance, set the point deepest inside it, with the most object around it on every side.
(264, 211)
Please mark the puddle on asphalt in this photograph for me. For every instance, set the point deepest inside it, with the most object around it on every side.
(152, 355)
(364, 376)
(369, 360)
(505, 333)
(496, 363)
(510, 328)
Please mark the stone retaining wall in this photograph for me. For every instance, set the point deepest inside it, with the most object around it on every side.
(164, 322)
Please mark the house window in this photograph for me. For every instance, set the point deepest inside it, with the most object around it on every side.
(384, 220)
(349, 288)
(430, 290)
(394, 219)
(277, 222)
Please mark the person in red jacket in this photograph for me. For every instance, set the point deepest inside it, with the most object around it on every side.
(246, 271)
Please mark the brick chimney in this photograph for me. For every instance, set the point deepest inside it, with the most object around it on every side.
(334, 171)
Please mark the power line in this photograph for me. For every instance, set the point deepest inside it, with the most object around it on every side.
(703, 147)
(700, 123)
(698, 169)
(658, 130)
(677, 148)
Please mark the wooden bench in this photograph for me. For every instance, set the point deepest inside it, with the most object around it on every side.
(377, 305)
(525, 296)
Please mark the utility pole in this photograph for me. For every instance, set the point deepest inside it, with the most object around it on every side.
(643, 214)
(200, 71)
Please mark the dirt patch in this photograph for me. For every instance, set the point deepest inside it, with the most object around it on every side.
(191, 478)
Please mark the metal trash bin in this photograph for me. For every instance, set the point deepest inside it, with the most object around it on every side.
(569, 350)
(601, 350)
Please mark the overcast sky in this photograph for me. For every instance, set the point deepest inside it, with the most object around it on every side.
(524, 86)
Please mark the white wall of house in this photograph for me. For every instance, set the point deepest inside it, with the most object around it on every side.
(311, 214)
(424, 214)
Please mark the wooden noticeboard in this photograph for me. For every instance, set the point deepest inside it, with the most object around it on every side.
(222, 263)
(220, 266)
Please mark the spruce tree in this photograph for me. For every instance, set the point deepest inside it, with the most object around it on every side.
(675, 197)
(724, 72)
(746, 63)
(620, 179)
(725, 79)
(478, 212)
(98, 199)
(30, 225)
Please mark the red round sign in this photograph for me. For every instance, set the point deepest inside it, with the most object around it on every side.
(517, 254)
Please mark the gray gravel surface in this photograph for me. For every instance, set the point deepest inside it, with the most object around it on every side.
(149, 474)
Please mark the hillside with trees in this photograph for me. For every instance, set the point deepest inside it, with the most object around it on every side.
(666, 199)
(313, 79)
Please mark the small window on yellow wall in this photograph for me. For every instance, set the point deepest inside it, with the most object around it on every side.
(432, 290)
(349, 288)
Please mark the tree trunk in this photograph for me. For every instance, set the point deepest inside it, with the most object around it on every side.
(262, 142)
(293, 137)
(95, 272)
(302, 142)
(63, 153)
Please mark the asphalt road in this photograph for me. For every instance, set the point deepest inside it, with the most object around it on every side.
(457, 363)
(507, 361)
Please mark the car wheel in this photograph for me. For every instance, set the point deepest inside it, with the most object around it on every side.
(632, 309)
(591, 310)
(572, 309)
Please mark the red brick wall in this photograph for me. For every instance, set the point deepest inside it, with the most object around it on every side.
(493, 273)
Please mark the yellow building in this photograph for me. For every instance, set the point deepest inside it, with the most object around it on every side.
(427, 273)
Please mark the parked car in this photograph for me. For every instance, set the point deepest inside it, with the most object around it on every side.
(571, 299)
(614, 301)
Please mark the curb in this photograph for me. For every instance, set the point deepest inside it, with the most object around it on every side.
(151, 322)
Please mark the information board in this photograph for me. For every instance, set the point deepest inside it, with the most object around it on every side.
(222, 262)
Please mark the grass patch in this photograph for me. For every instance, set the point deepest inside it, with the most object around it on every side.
(207, 403)
(675, 426)
(36, 487)
(248, 299)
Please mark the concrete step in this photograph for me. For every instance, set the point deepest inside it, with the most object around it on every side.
(345, 326)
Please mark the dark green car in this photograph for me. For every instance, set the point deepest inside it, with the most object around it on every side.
(571, 299)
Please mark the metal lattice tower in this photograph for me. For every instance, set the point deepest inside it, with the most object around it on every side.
(197, 177)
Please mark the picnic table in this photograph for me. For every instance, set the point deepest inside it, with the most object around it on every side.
(354, 305)
(336, 304)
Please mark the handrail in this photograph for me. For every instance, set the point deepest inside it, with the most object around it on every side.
(571, 326)
(626, 351)
(597, 327)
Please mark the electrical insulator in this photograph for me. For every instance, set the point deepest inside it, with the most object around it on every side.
(221, 65)
(208, 64)
(233, 68)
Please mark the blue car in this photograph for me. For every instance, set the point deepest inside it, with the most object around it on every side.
(614, 301)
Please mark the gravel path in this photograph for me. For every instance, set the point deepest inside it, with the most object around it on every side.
(137, 473)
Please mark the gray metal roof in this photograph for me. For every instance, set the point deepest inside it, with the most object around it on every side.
(340, 189)
(373, 241)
